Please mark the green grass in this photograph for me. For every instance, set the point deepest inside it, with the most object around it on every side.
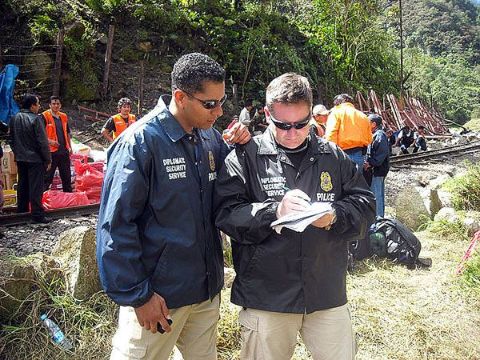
(473, 124)
(466, 189)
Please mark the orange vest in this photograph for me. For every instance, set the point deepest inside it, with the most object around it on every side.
(121, 125)
(51, 129)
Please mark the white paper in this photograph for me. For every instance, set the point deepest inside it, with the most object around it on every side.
(298, 221)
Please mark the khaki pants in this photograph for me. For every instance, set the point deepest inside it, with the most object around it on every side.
(194, 331)
(270, 335)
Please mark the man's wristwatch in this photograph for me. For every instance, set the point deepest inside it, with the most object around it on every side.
(332, 221)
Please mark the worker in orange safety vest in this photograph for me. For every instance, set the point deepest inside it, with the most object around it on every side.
(58, 134)
(117, 124)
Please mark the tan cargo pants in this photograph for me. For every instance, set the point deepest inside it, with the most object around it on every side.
(267, 335)
(194, 331)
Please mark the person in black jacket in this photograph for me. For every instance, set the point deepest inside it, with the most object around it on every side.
(29, 143)
(291, 282)
(378, 162)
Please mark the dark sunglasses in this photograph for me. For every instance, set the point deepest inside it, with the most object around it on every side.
(208, 104)
(286, 126)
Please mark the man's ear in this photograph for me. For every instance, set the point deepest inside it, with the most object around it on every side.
(179, 96)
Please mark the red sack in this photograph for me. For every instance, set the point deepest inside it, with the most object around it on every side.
(54, 199)
(89, 180)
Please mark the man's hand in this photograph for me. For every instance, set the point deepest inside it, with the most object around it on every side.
(49, 166)
(237, 134)
(325, 221)
(53, 142)
(293, 201)
(153, 312)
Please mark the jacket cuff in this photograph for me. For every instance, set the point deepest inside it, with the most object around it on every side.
(142, 301)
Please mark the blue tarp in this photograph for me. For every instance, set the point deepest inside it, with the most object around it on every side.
(8, 106)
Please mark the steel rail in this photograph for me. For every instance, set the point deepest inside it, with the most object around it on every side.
(407, 158)
(26, 218)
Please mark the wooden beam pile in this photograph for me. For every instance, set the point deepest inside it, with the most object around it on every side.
(397, 114)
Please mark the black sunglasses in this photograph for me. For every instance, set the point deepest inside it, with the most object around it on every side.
(285, 126)
(208, 104)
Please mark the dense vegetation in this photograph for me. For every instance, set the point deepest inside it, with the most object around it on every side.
(341, 46)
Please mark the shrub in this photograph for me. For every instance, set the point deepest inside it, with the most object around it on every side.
(466, 189)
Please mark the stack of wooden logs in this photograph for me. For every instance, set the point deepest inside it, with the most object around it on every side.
(408, 111)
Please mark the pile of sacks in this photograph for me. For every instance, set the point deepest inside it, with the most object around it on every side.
(87, 171)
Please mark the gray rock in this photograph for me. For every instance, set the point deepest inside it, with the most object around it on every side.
(445, 198)
(410, 208)
(448, 214)
(76, 252)
(229, 275)
(439, 181)
(19, 277)
(435, 203)
(472, 225)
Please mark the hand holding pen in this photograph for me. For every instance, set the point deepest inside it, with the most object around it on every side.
(293, 201)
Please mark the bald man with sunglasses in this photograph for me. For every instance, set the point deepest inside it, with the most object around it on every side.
(158, 250)
(291, 282)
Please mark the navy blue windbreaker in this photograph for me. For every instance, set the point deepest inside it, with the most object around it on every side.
(156, 230)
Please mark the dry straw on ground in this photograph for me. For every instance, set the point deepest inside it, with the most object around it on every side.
(398, 314)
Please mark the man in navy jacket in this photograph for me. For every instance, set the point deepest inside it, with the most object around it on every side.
(378, 161)
(158, 251)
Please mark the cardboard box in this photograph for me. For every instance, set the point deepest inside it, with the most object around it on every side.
(8, 181)
(9, 166)
(9, 198)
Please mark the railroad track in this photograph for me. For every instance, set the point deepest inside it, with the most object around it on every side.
(430, 154)
(25, 218)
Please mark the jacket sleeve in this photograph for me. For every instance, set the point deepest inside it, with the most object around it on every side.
(356, 209)
(119, 244)
(331, 128)
(41, 135)
(379, 151)
(11, 133)
(236, 214)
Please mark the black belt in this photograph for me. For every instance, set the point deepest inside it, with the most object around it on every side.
(354, 150)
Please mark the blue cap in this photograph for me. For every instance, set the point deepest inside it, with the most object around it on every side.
(43, 317)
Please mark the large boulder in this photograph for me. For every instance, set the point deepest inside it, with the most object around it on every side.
(19, 278)
(410, 208)
(76, 252)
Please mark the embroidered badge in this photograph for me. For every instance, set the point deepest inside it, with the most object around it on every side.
(326, 181)
(211, 160)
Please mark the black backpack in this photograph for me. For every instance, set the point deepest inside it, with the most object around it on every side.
(390, 238)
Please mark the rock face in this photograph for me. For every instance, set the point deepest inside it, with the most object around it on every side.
(76, 252)
(410, 208)
(39, 65)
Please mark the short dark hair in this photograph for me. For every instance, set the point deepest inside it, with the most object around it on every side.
(192, 70)
(124, 101)
(54, 97)
(289, 88)
(375, 118)
(28, 100)
(248, 102)
(342, 98)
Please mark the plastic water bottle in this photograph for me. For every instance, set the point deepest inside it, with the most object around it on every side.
(57, 335)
